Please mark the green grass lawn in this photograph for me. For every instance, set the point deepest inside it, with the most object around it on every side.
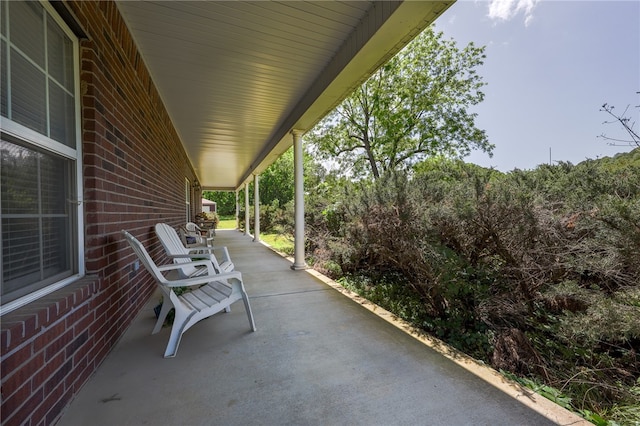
(227, 224)
(282, 243)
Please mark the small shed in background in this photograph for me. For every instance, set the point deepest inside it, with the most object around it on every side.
(209, 206)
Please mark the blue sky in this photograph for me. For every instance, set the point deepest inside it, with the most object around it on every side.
(550, 66)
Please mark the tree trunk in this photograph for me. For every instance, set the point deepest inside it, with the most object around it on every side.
(371, 157)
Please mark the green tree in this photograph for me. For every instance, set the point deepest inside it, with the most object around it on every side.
(276, 182)
(413, 107)
(225, 201)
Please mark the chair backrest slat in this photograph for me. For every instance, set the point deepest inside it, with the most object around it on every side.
(169, 239)
(173, 246)
(144, 257)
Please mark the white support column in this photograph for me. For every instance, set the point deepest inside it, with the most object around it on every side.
(237, 212)
(256, 209)
(299, 262)
(246, 208)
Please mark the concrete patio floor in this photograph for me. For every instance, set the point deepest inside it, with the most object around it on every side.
(317, 358)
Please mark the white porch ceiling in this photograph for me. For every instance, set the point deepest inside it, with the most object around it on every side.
(236, 77)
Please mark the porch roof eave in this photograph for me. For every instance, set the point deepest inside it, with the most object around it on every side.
(233, 98)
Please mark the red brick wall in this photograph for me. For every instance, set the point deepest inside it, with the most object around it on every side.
(134, 176)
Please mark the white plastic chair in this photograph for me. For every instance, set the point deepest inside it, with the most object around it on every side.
(192, 236)
(193, 228)
(214, 293)
(180, 254)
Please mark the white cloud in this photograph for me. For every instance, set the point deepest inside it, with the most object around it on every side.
(506, 10)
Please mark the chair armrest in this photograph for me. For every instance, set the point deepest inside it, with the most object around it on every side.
(225, 255)
(206, 249)
(187, 256)
(204, 279)
(225, 252)
(175, 266)
(172, 266)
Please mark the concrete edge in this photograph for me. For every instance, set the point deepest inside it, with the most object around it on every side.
(526, 396)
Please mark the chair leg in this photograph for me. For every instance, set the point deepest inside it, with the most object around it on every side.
(179, 324)
(164, 311)
(247, 307)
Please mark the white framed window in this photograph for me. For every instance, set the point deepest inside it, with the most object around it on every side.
(187, 198)
(40, 154)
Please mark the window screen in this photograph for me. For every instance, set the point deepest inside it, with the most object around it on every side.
(36, 220)
(37, 169)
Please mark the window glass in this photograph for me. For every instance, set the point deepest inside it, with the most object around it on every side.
(28, 93)
(35, 94)
(38, 178)
(61, 111)
(54, 181)
(27, 29)
(4, 83)
(36, 220)
(55, 239)
(19, 168)
(20, 255)
(3, 18)
(60, 55)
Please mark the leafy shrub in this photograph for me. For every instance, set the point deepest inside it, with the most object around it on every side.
(274, 218)
(536, 272)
